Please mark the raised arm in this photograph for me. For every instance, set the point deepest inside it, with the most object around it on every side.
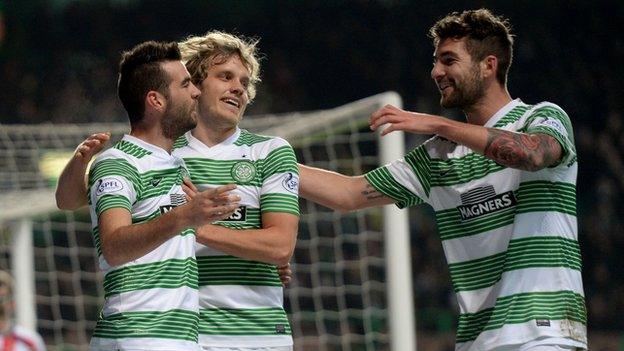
(71, 190)
(529, 152)
(337, 191)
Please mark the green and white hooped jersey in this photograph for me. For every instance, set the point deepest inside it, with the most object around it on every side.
(150, 303)
(241, 301)
(509, 236)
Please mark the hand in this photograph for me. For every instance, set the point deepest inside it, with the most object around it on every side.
(418, 123)
(285, 274)
(91, 146)
(210, 205)
(190, 190)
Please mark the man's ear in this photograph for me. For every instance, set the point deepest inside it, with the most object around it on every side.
(155, 100)
(489, 66)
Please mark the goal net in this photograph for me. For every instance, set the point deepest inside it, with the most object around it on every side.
(338, 298)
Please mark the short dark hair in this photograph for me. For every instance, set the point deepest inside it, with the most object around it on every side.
(487, 35)
(140, 72)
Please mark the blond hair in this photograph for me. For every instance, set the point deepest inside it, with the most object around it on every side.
(199, 53)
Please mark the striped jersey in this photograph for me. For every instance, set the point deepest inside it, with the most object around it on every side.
(151, 303)
(509, 236)
(241, 301)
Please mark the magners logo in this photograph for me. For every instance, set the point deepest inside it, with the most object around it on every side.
(483, 201)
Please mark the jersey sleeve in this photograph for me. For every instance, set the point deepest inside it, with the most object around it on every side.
(280, 180)
(551, 120)
(405, 180)
(113, 183)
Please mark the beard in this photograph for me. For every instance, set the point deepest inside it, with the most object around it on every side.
(466, 93)
(180, 119)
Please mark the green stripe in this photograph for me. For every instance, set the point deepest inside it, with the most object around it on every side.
(180, 142)
(420, 163)
(256, 321)
(547, 251)
(512, 116)
(279, 160)
(107, 202)
(160, 182)
(276, 202)
(537, 196)
(461, 170)
(382, 181)
(131, 149)
(247, 138)
(96, 240)
(228, 270)
(521, 308)
(167, 274)
(173, 324)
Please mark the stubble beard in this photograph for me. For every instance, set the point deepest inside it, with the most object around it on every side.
(180, 119)
(467, 93)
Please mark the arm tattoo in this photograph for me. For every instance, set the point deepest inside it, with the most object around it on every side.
(529, 152)
(370, 193)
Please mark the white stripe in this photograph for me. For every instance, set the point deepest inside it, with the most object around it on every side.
(142, 344)
(521, 281)
(244, 341)
(545, 224)
(152, 300)
(513, 336)
(477, 246)
(240, 296)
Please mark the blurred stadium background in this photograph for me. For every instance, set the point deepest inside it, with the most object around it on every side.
(58, 60)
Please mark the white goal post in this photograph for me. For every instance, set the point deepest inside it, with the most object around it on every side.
(352, 286)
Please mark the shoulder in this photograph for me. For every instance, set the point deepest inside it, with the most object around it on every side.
(263, 144)
(546, 107)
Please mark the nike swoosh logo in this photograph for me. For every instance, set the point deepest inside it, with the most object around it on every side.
(155, 182)
(445, 172)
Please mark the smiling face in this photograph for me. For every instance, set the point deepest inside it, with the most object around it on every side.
(458, 78)
(224, 92)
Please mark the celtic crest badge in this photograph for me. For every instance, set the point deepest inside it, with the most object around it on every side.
(243, 171)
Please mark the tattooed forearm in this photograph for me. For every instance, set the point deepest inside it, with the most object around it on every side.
(529, 152)
(370, 193)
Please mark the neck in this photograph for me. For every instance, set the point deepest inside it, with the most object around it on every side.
(212, 135)
(152, 136)
(494, 99)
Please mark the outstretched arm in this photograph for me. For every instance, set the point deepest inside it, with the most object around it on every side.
(71, 190)
(337, 191)
(529, 152)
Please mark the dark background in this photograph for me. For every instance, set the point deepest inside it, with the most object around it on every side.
(58, 61)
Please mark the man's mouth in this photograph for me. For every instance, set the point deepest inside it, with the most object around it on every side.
(232, 102)
(444, 85)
